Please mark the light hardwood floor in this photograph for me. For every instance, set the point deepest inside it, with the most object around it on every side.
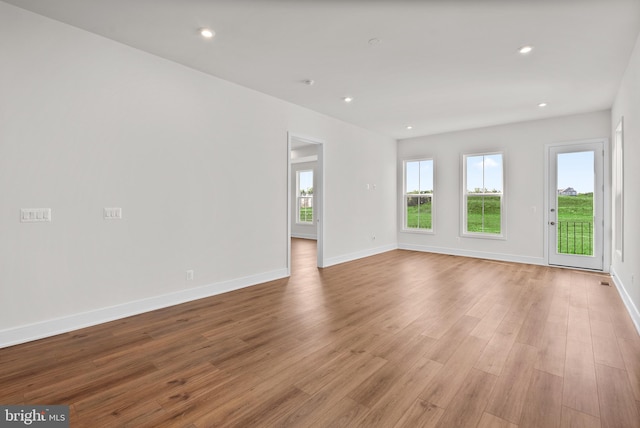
(402, 339)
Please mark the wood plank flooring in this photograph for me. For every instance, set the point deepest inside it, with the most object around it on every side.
(402, 339)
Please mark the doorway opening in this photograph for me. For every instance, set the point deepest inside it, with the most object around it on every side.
(303, 258)
(305, 201)
(576, 199)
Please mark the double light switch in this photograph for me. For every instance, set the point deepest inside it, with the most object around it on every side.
(32, 215)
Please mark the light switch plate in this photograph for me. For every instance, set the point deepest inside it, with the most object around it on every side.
(35, 215)
(112, 213)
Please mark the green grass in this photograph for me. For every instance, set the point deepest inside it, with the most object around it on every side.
(419, 216)
(306, 215)
(572, 210)
(576, 208)
(483, 214)
(575, 224)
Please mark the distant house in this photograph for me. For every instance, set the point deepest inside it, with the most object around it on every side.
(569, 191)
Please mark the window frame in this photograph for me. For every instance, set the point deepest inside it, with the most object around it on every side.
(298, 197)
(618, 190)
(464, 194)
(403, 205)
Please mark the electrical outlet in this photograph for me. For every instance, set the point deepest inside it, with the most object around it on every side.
(190, 275)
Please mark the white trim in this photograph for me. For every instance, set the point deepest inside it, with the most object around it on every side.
(617, 187)
(463, 204)
(289, 196)
(403, 197)
(418, 231)
(475, 254)
(305, 159)
(318, 191)
(359, 255)
(39, 330)
(319, 201)
(606, 198)
(299, 197)
(485, 235)
(634, 313)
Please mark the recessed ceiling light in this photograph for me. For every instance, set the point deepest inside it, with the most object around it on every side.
(542, 105)
(309, 82)
(409, 127)
(207, 33)
(347, 99)
(525, 50)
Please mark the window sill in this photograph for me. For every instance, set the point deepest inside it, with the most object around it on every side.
(500, 237)
(419, 231)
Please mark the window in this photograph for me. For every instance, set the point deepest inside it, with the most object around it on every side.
(418, 195)
(483, 197)
(304, 192)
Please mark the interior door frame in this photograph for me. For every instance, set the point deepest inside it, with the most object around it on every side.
(606, 201)
(318, 197)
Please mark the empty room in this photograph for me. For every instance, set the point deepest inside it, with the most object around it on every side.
(319, 213)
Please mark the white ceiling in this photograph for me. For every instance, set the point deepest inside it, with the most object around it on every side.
(441, 65)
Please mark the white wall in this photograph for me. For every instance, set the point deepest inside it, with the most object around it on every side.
(87, 123)
(304, 151)
(524, 146)
(627, 104)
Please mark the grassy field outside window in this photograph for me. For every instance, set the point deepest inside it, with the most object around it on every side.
(483, 194)
(304, 198)
(484, 213)
(575, 226)
(418, 195)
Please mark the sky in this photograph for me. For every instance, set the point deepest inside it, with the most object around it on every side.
(484, 171)
(305, 180)
(576, 170)
(419, 175)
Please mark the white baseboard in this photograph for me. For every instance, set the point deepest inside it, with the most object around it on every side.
(39, 330)
(359, 255)
(475, 254)
(626, 299)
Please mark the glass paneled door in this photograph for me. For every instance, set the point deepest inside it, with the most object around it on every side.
(576, 200)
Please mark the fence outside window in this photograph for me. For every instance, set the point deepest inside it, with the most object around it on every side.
(575, 237)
